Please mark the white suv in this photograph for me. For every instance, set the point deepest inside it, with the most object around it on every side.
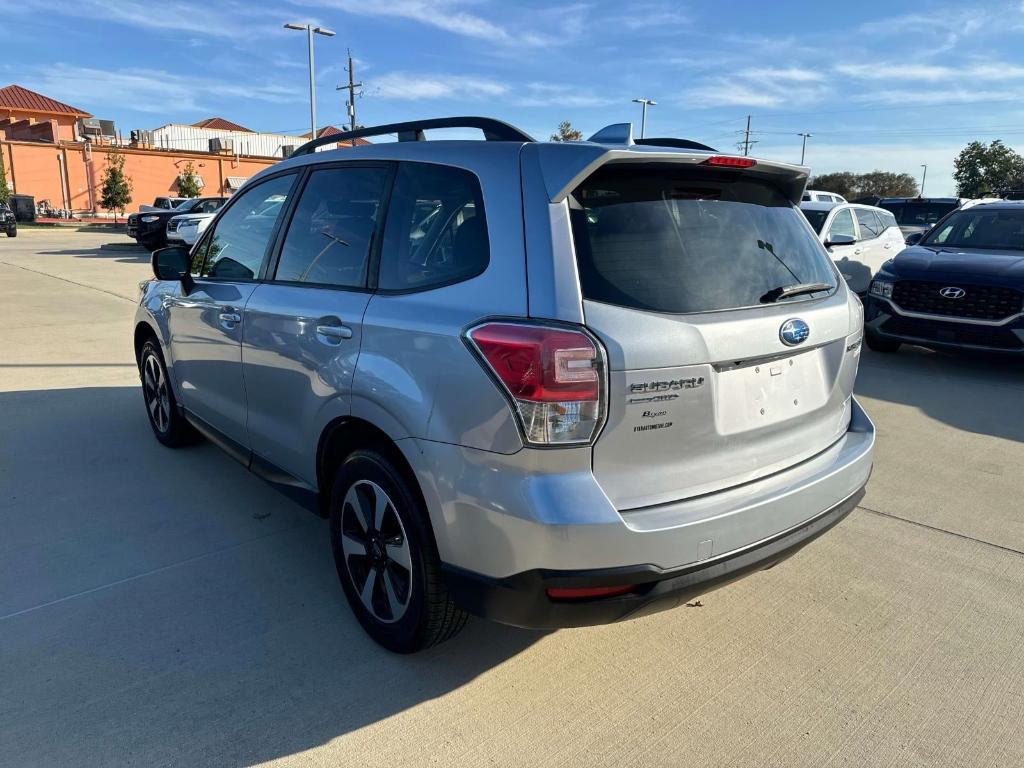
(859, 238)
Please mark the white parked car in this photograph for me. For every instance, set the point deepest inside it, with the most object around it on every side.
(814, 196)
(860, 238)
(186, 228)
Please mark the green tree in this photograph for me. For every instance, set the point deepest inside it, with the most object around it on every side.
(5, 191)
(116, 187)
(886, 184)
(566, 132)
(188, 181)
(982, 170)
(856, 185)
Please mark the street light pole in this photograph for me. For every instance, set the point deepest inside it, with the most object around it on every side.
(803, 147)
(310, 31)
(643, 114)
(924, 175)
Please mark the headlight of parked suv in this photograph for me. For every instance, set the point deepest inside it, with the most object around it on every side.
(881, 288)
(149, 219)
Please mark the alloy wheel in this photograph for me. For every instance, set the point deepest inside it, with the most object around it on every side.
(376, 551)
(154, 389)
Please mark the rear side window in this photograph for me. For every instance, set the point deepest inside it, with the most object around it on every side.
(677, 240)
(869, 226)
(328, 240)
(887, 219)
(436, 232)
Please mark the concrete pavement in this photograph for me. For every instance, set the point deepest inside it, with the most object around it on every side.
(164, 607)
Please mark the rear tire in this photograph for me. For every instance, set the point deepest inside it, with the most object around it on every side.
(169, 426)
(386, 558)
(879, 344)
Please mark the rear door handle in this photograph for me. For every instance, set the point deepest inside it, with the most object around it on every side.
(333, 333)
(230, 317)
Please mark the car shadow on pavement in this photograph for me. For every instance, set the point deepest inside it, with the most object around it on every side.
(165, 606)
(126, 253)
(974, 393)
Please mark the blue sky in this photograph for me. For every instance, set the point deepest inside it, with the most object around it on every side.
(878, 84)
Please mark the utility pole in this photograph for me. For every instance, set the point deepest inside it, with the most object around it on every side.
(803, 147)
(643, 115)
(351, 88)
(924, 175)
(746, 138)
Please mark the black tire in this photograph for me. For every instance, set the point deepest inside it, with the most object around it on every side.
(12, 233)
(169, 426)
(428, 616)
(880, 344)
(150, 245)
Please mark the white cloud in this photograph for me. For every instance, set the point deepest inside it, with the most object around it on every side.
(979, 72)
(405, 86)
(442, 14)
(765, 87)
(225, 20)
(157, 91)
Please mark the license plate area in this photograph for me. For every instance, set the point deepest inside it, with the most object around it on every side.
(756, 395)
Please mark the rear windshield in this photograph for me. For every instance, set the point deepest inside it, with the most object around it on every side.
(912, 214)
(679, 240)
(816, 218)
(1000, 230)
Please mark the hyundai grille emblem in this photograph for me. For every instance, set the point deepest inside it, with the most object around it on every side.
(952, 293)
(794, 332)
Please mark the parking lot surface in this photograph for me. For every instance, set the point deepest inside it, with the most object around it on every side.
(164, 607)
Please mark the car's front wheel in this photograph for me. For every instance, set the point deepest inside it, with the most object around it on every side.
(386, 558)
(168, 424)
(12, 233)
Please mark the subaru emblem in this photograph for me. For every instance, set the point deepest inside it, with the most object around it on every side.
(794, 331)
(952, 293)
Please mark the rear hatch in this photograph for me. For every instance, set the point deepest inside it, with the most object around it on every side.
(715, 379)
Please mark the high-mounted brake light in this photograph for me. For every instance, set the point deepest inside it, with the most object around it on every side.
(554, 377)
(724, 161)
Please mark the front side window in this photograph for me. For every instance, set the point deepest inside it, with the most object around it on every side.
(436, 232)
(679, 240)
(237, 246)
(869, 226)
(842, 224)
(329, 238)
(979, 228)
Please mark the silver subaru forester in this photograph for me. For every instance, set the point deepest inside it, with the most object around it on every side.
(552, 384)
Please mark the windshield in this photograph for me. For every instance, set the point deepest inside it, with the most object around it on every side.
(816, 218)
(677, 240)
(910, 214)
(185, 205)
(979, 228)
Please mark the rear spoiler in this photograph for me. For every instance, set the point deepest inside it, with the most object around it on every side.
(564, 166)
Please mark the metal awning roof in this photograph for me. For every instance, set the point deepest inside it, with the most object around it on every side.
(235, 182)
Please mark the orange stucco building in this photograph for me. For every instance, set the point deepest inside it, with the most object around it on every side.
(43, 155)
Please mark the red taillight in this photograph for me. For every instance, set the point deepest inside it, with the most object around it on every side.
(582, 593)
(553, 376)
(724, 161)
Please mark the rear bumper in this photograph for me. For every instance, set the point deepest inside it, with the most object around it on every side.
(509, 526)
(521, 600)
(883, 320)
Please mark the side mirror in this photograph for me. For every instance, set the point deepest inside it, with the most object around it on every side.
(173, 263)
(914, 239)
(840, 240)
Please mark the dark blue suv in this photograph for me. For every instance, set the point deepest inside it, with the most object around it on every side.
(961, 286)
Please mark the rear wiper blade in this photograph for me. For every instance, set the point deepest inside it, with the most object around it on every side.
(785, 291)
